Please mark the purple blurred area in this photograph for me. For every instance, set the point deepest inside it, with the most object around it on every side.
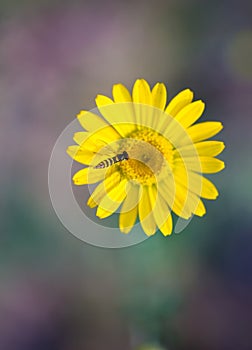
(188, 291)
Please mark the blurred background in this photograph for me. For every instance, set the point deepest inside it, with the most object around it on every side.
(188, 291)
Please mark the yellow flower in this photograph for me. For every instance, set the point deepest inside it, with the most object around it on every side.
(147, 156)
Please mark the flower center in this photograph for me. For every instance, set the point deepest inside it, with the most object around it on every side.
(149, 153)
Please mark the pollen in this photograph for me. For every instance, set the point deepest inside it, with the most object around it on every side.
(148, 153)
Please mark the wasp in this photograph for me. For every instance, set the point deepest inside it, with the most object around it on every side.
(110, 161)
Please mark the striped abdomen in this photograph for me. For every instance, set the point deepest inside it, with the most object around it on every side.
(110, 161)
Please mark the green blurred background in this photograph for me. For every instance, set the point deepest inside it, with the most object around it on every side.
(188, 291)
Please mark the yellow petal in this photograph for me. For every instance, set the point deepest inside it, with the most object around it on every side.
(209, 191)
(103, 188)
(160, 122)
(132, 199)
(186, 179)
(145, 213)
(141, 95)
(95, 148)
(209, 148)
(79, 154)
(90, 121)
(166, 189)
(189, 202)
(166, 228)
(111, 202)
(179, 101)
(175, 133)
(190, 113)
(200, 210)
(182, 207)
(196, 183)
(204, 148)
(127, 220)
(203, 131)
(117, 114)
(141, 92)
(161, 211)
(89, 176)
(176, 197)
(121, 93)
(159, 96)
(102, 100)
(98, 139)
(208, 165)
(211, 165)
(80, 137)
(91, 203)
(127, 217)
(129, 208)
(144, 203)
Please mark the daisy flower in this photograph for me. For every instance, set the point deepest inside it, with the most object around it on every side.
(147, 156)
